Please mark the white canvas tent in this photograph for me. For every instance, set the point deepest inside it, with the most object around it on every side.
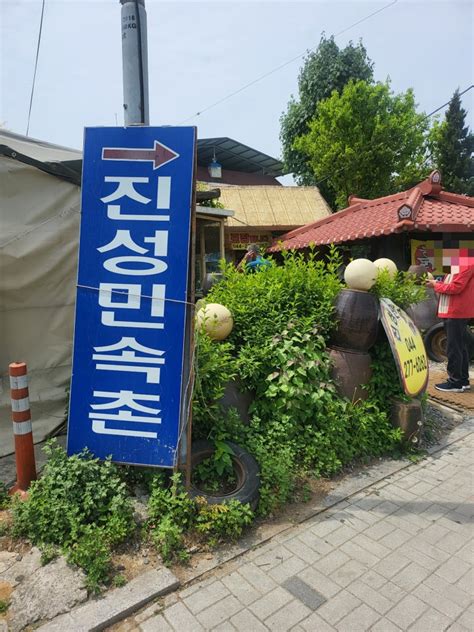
(39, 229)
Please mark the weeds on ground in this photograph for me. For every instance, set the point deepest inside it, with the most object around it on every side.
(5, 498)
(175, 517)
(79, 505)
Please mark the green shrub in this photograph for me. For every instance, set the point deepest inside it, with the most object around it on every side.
(403, 288)
(278, 472)
(173, 515)
(49, 552)
(301, 290)
(5, 498)
(283, 318)
(167, 537)
(222, 522)
(215, 471)
(81, 505)
(171, 501)
(385, 383)
(91, 551)
(214, 367)
(119, 581)
(371, 432)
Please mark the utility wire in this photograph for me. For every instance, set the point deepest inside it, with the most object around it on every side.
(448, 102)
(36, 67)
(423, 118)
(286, 63)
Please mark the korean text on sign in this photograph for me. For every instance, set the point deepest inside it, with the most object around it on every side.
(127, 382)
(407, 347)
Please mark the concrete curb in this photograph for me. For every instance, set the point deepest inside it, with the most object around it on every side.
(98, 614)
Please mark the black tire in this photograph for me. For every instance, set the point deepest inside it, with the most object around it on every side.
(435, 343)
(246, 470)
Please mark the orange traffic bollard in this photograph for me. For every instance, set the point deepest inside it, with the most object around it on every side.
(21, 417)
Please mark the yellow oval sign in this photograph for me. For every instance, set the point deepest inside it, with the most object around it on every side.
(407, 347)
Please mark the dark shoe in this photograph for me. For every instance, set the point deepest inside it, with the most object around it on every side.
(449, 387)
(466, 386)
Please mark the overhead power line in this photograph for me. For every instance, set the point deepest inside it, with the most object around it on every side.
(36, 67)
(448, 102)
(283, 65)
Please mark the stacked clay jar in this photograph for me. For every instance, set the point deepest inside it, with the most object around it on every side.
(357, 315)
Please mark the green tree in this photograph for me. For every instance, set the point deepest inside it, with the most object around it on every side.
(453, 145)
(327, 69)
(366, 141)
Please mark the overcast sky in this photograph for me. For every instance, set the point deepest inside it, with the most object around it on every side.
(202, 51)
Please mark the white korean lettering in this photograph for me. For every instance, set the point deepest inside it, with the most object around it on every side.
(160, 239)
(110, 291)
(156, 266)
(114, 212)
(153, 374)
(98, 426)
(163, 202)
(108, 319)
(123, 238)
(158, 300)
(126, 398)
(129, 356)
(126, 415)
(127, 360)
(163, 193)
(126, 189)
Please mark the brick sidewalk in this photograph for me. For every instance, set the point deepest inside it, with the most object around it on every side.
(397, 556)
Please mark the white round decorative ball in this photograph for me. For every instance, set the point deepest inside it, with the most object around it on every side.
(386, 264)
(360, 274)
(216, 320)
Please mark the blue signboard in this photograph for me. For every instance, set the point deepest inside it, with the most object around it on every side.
(132, 289)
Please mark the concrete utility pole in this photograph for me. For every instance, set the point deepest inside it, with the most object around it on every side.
(135, 62)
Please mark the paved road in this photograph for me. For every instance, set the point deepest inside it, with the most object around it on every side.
(397, 556)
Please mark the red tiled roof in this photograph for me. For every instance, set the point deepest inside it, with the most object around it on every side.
(425, 207)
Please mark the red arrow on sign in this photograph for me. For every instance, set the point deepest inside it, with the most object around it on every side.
(160, 154)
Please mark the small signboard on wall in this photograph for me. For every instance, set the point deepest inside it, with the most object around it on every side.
(240, 241)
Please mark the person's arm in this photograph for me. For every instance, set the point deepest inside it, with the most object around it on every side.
(456, 286)
(243, 262)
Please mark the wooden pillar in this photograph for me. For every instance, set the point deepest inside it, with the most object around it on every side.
(222, 238)
(202, 246)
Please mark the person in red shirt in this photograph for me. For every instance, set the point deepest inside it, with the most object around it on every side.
(456, 307)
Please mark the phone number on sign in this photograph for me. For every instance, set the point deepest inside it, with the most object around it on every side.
(410, 367)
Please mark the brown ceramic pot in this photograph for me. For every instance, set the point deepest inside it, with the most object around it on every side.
(357, 313)
(409, 417)
(425, 313)
(418, 271)
(236, 397)
(350, 371)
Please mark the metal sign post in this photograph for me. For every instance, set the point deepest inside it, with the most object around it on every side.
(134, 62)
(132, 299)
